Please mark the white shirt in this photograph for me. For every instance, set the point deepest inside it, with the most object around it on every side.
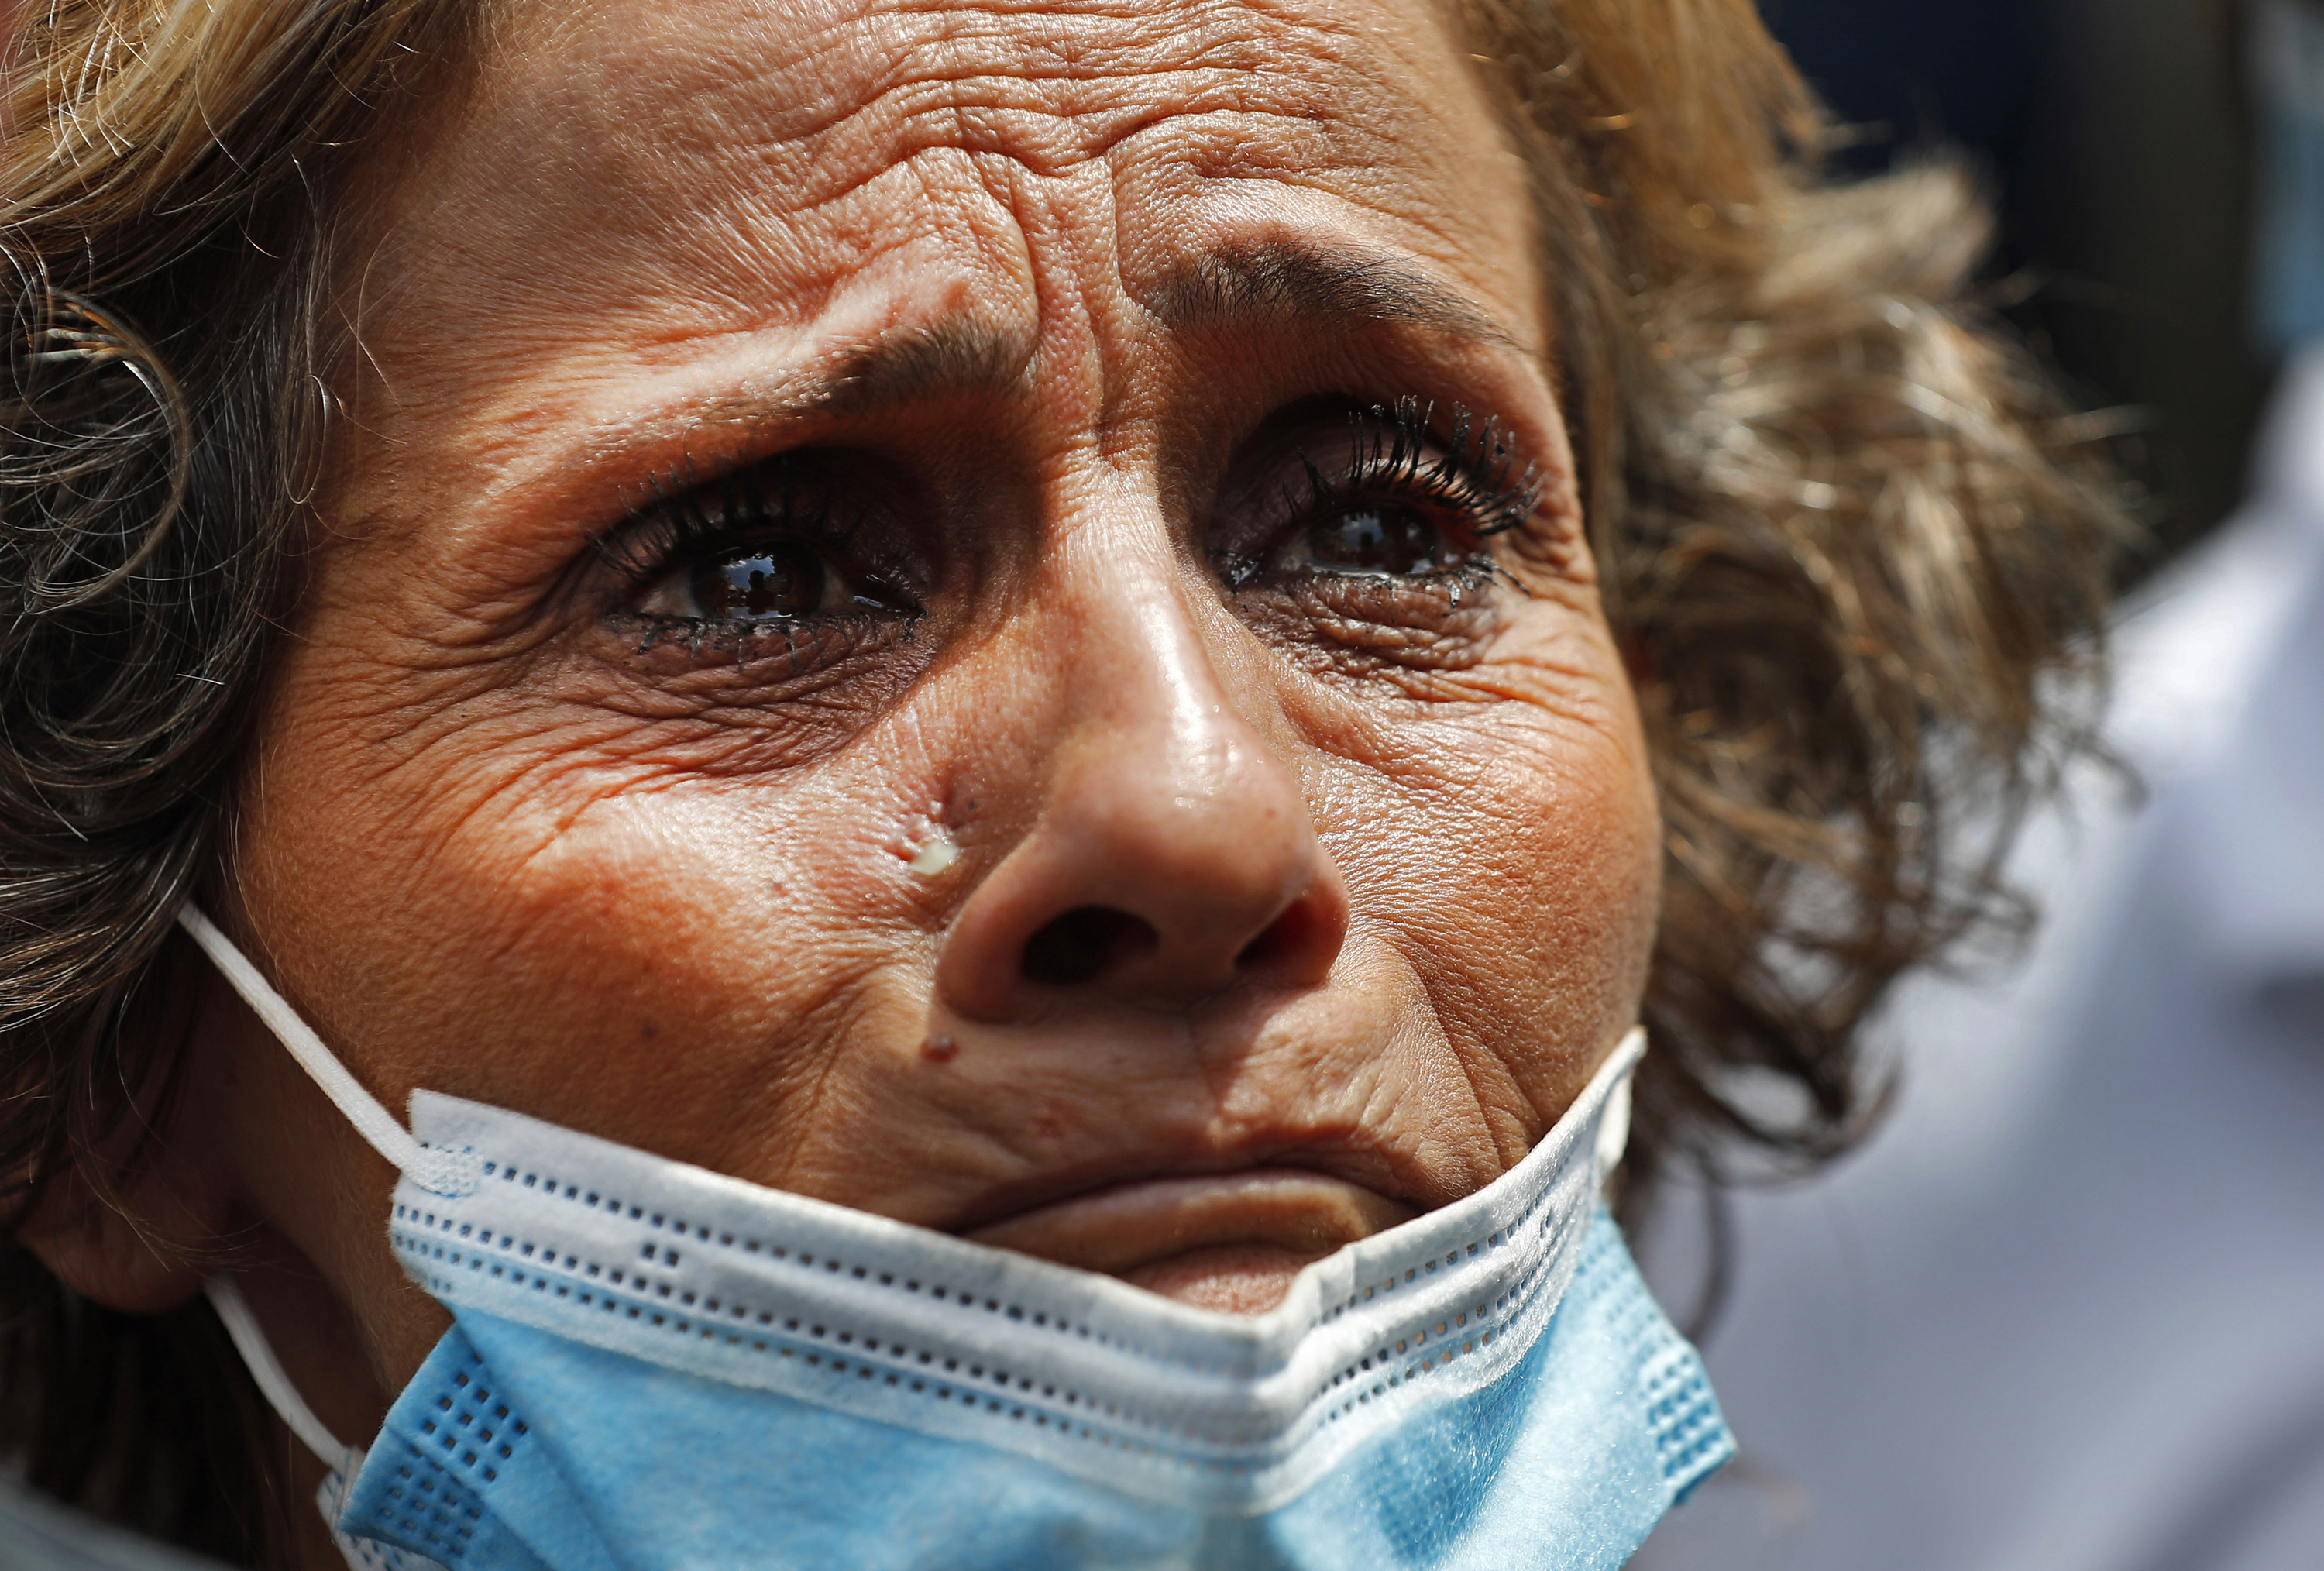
(37, 1534)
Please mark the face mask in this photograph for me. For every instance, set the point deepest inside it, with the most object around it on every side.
(655, 1366)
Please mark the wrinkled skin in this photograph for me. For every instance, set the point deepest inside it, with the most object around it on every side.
(1052, 308)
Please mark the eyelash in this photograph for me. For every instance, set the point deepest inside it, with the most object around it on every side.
(681, 520)
(1390, 443)
(1471, 478)
(681, 515)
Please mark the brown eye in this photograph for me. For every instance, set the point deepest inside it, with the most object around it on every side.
(781, 580)
(1376, 538)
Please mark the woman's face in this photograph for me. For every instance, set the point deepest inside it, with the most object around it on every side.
(977, 612)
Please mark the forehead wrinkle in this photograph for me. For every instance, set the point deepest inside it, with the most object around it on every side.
(729, 151)
(1289, 283)
(1059, 63)
(751, 220)
(818, 99)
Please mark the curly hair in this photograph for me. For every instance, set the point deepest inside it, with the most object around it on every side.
(1851, 534)
(1846, 528)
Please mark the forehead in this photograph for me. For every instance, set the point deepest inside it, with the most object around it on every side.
(722, 165)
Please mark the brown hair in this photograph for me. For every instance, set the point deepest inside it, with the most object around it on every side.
(167, 173)
(1848, 524)
(1845, 526)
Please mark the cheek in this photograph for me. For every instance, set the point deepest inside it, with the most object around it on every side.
(534, 910)
(1510, 850)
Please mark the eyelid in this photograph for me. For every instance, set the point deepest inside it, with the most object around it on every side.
(1474, 468)
(679, 512)
(845, 508)
(853, 510)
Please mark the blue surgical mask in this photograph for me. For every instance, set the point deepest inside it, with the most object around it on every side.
(653, 1365)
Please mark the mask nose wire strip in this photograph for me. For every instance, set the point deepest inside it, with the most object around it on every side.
(441, 1172)
(274, 1384)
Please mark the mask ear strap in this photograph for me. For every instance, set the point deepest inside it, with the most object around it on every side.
(441, 1172)
(1614, 1120)
(341, 1463)
(274, 1384)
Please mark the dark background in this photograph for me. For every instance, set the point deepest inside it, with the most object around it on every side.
(2116, 137)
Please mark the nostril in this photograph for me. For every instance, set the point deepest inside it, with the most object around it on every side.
(1287, 935)
(1083, 943)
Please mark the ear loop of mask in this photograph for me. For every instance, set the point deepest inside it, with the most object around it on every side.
(342, 1461)
(274, 1382)
(1614, 1122)
(439, 1172)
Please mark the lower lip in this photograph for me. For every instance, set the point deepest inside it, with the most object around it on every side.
(1130, 1229)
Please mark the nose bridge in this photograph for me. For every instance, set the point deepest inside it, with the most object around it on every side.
(1163, 787)
(1169, 850)
(1144, 706)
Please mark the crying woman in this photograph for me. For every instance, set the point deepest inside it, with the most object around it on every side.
(839, 783)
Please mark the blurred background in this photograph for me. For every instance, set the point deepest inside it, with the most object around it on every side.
(2064, 1311)
(2117, 137)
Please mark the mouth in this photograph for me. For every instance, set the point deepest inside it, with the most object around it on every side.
(1227, 1242)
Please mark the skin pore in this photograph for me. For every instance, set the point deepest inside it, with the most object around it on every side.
(978, 613)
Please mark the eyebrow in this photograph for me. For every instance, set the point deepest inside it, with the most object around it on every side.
(957, 355)
(1290, 283)
(960, 354)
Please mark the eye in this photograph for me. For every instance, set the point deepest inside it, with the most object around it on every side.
(1375, 539)
(798, 541)
(1370, 493)
(783, 580)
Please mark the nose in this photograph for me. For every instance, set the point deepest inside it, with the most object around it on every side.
(1171, 854)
